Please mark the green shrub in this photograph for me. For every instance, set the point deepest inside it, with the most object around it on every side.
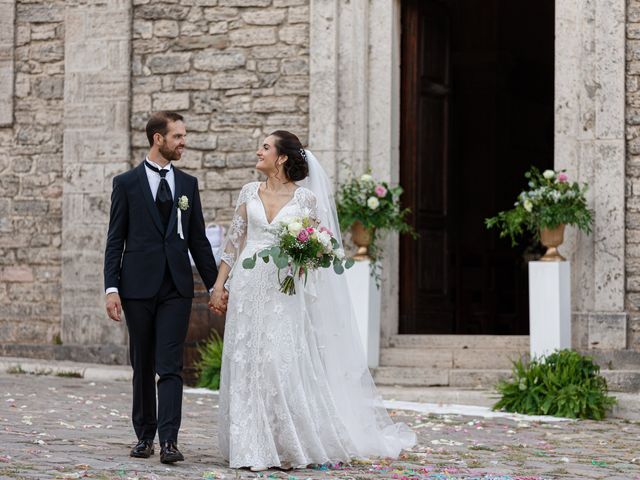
(208, 367)
(563, 384)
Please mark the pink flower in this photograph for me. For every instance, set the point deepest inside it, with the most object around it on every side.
(303, 236)
(563, 177)
(310, 230)
(380, 190)
(325, 229)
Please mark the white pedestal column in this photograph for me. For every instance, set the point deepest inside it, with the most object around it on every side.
(549, 307)
(366, 303)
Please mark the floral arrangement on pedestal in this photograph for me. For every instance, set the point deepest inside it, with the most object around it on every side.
(550, 203)
(368, 206)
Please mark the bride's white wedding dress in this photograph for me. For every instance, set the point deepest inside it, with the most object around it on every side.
(289, 394)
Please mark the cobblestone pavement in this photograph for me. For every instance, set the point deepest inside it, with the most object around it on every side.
(57, 427)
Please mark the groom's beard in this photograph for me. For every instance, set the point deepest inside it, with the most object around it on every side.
(169, 154)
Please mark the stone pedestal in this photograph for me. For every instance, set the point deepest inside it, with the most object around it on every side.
(549, 307)
(366, 302)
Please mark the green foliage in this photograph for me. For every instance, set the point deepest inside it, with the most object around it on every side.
(374, 204)
(563, 384)
(550, 201)
(208, 367)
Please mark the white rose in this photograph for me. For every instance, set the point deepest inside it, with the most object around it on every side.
(294, 228)
(373, 203)
(548, 174)
(366, 178)
(339, 253)
(528, 206)
(324, 238)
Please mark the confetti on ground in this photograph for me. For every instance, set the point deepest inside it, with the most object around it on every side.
(82, 429)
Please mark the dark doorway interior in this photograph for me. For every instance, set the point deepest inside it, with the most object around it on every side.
(476, 112)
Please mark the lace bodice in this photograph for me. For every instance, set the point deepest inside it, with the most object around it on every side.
(249, 227)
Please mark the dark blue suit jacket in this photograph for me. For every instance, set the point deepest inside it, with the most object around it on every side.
(138, 248)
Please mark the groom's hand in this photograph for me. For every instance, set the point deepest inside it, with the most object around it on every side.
(114, 307)
(218, 300)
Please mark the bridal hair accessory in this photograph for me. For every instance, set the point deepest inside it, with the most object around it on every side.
(183, 204)
(304, 155)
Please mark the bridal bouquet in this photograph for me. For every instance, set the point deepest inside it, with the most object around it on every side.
(302, 245)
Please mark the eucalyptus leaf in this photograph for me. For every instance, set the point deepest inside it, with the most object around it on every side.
(338, 268)
(281, 261)
(249, 263)
(349, 262)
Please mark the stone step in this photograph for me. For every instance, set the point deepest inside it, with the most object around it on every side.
(440, 395)
(622, 380)
(615, 359)
(428, 377)
(495, 342)
(626, 408)
(449, 358)
(617, 380)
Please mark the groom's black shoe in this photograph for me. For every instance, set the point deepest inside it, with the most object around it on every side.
(143, 449)
(169, 452)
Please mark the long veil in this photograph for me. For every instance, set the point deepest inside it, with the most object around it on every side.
(332, 317)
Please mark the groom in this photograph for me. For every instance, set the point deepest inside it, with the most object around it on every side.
(155, 217)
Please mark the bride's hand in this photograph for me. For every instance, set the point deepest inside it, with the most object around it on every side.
(218, 300)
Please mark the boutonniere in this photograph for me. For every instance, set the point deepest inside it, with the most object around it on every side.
(183, 204)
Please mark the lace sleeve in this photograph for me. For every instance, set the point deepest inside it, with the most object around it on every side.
(237, 235)
(308, 203)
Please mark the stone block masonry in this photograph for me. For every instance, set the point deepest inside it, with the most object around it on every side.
(31, 131)
(632, 167)
(78, 80)
(236, 69)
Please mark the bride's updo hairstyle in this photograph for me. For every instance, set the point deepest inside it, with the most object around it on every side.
(286, 143)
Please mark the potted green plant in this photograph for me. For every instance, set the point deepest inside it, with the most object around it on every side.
(550, 203)
(367, 207)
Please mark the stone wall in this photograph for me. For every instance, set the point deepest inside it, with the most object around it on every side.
(632, 258)
(96, 147)
(31, 174)
(87, 72)
(236, 69)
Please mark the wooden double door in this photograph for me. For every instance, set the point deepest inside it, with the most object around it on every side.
(476, 112)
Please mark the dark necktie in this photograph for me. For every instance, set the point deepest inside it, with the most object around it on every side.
(164, 201)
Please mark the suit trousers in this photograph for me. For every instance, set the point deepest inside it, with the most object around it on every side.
(157, 331)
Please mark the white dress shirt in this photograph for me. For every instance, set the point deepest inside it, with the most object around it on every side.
(154, 178)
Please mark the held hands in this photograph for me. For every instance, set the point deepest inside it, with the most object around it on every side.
(218, 300)
(114, 307)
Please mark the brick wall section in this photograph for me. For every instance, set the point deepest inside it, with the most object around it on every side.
(31, 179)
(237, 69)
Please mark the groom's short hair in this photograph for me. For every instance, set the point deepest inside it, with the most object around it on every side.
(159, 123)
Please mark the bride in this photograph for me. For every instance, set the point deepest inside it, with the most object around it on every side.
(295, 389)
